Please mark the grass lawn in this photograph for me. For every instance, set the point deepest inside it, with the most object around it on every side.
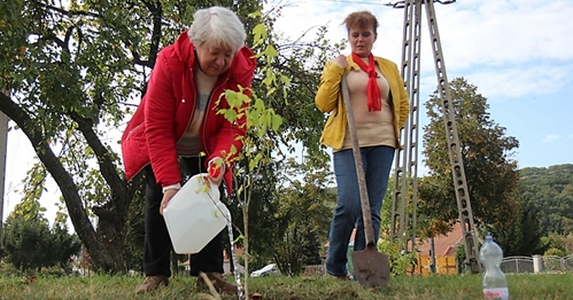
(542, 287)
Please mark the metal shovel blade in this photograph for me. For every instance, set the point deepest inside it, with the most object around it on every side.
(371, 268)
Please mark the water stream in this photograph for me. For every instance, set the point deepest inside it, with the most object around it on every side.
(227, 214)
(240, 291)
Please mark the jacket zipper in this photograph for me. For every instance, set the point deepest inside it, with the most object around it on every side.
(194, 92)
(133, 129)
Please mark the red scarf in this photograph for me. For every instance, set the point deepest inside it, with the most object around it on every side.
(374, 99)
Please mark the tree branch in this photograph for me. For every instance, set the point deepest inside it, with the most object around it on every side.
(157, 12)
(106, 165)
(69, 13)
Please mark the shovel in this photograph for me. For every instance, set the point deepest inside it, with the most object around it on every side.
(371, 268)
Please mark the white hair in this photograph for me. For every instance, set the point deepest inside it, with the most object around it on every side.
(217, 24)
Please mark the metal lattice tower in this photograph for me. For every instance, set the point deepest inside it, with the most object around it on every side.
(3, 149)
(403, 223)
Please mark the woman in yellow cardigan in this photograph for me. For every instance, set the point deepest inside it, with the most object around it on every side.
(380, 106)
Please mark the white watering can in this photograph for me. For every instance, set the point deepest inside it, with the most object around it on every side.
(195, 215)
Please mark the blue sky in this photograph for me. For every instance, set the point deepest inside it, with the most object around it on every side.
(519, 53)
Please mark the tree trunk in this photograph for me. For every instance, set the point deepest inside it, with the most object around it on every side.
(106, 245)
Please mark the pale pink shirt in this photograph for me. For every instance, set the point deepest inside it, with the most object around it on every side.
(374, 128)
(189, 144)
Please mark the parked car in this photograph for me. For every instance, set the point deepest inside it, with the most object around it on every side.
(268, 270)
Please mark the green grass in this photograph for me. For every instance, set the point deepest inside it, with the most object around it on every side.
(542, 287)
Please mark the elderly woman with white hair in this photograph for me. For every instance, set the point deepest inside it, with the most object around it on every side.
(176, 121)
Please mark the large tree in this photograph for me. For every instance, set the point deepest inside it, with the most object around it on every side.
(522, 234)
(74, 72)
(490, 171)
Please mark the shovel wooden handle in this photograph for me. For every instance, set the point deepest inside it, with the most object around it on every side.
(364, 201)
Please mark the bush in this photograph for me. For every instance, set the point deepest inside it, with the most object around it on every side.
(9, 270)
(401, 263)
(555, 252)
(31, 245)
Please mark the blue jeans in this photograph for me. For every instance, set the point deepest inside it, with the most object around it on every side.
(377, 162)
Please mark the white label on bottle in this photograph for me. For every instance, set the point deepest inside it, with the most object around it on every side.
(496, 293)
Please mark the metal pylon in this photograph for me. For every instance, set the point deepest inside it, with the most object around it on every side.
(403, 223)
(3, 149)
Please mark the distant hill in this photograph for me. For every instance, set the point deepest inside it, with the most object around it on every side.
(551, 189)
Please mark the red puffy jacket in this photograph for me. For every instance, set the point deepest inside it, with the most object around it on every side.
(167, 109)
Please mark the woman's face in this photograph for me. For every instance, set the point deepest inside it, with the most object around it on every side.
(361, 40)
(214, 58)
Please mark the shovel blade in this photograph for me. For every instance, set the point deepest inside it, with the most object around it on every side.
(371, 268)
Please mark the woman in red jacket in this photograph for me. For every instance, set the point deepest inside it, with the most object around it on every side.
(177, 120)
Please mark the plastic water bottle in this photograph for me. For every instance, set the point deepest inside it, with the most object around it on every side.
(494, 281)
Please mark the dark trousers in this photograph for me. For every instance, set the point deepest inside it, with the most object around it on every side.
(158, 247)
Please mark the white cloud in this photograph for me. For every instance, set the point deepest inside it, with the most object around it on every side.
(508, 48)
(297, 17)
(551, 138)
(472, 31)
(500, 32)
(519, 80)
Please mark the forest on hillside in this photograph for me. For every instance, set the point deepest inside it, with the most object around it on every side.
(551, 189)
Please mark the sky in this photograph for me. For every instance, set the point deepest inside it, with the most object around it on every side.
(519, 54)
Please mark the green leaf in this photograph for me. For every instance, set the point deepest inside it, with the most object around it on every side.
(230, 115)
(271, 91)
(271, 51)
(259, 34)
(276, 122)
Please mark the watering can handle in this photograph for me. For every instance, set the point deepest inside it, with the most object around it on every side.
(365, 203)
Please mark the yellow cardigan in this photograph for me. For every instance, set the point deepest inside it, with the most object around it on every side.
(329, 99)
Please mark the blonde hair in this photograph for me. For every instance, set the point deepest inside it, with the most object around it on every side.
(217, 24)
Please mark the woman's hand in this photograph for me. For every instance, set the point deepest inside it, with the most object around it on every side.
(341, 61)
(167, 196)
(216, 170)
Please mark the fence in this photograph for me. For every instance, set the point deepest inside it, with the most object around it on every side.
(517, 264)
(444, 265)
(553, 263)
(511, 264)
(314, 270)
(537, 264)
